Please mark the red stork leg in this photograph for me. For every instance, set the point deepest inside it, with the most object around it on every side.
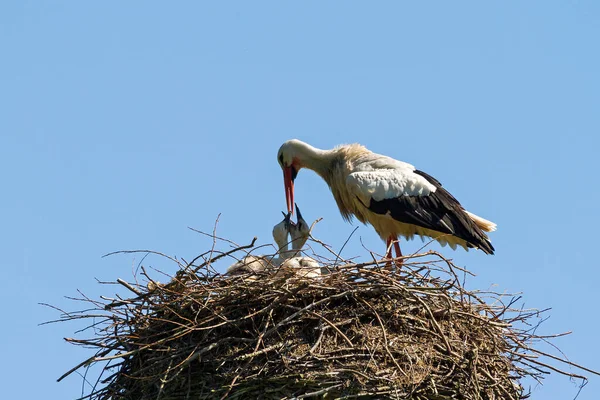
(388, 247)
(398, 252)
(388, 253)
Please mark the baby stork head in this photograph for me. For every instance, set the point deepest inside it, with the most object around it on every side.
(281, 231)
(299, 231)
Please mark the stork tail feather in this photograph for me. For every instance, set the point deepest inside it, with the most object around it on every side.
(483, 224)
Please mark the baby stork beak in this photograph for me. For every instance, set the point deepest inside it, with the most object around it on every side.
(298, 215)
(287, 219)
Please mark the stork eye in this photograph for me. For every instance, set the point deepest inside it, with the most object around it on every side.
(281, 159)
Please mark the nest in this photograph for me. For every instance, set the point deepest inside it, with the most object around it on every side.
(359, 331)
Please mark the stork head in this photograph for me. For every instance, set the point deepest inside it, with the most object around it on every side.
(289, 163)
(299, 232)
(301, 226)
(294, 155)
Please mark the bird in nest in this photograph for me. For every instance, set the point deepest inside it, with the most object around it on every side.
(288, 259)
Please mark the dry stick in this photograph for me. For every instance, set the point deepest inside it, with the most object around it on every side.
(189, 264)
(554, 336)
(99, 379)
(159, 271)
(344, 245)
(422, 247)
(263, 351)
(66, 316)
(319, 392)
(211, 251)
(328, 248)
(144, 273)
(213, 259)
(313, 224)
(545, 339)
(328, 322)
(135, 272)
(128, 286)
(444, 259)
(314, 347)
(164, 380)
(555, 369)
(81, 364)
(231, 242)
(214, 236)
(206, 349)
(353, 371)
(566, 362)
(262, 334)
(91, 343)
(143, 251)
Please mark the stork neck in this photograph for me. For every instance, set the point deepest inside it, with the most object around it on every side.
(315, 159)
(286, 254)
(298, 242)
(282, 244)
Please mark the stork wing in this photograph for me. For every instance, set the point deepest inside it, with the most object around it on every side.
(413, 197)
(385, 184)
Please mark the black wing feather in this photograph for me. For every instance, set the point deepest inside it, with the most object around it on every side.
(438, 211)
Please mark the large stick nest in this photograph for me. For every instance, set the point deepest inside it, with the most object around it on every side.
(360, 331)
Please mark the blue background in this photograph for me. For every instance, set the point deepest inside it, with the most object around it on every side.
(124, 123)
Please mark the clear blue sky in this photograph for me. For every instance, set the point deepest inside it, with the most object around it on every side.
(122, 124)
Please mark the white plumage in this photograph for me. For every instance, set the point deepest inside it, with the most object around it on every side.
(387, 183)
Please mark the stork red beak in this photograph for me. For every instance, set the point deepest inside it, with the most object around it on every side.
(289, 188)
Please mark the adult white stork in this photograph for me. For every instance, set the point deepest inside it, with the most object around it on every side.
(391, 195)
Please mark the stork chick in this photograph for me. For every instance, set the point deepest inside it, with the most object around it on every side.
(256, 264)
(302, 265)
(299, 232)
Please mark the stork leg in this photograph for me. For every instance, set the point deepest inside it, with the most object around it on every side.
(388, 247)
(388, 254)
(398, 252)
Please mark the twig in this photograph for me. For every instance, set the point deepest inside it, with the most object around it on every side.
(212, 260)
(344, 245)
(142, 251)
(128, 286)
(328, 322)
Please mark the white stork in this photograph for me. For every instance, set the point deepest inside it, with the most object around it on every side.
(299, 232)
(255, 264)
(306, 266)
(286, 260)
(391, 195)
